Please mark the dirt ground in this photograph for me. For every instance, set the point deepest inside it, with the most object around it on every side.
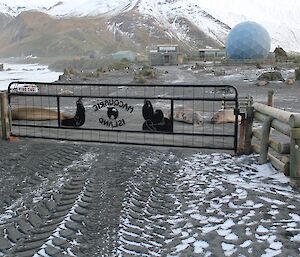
(63, 199)
(71, 199)
(243, 77)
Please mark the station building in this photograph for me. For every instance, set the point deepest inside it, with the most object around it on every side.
(165, 55)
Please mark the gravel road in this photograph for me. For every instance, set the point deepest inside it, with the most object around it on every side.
(62, 199)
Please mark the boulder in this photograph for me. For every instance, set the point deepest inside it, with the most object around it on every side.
(271, 76)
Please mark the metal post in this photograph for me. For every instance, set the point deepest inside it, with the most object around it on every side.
(172, 117)
(236, 124)
(58, 111)
(1, 121)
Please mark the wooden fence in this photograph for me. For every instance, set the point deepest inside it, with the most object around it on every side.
(4, 117)
(278, 137)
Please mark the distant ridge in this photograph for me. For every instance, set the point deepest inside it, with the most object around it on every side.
(134, 24)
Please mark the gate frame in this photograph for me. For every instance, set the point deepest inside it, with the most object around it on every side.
(172, 99)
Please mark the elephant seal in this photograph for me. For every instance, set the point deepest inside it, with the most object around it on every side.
(187, 115)
(224, 116)
(36, 114)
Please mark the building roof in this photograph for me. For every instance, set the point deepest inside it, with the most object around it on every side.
(211, 50)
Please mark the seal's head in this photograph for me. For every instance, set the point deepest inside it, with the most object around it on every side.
(79, 101)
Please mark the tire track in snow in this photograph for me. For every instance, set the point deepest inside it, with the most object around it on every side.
(53, 225)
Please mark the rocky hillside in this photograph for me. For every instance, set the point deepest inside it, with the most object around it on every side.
(79, 27)
(37, 33)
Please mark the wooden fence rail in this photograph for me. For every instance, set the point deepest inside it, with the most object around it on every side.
(283, 155)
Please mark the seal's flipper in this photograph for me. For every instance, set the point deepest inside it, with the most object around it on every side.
(79, 118)
(148, 110)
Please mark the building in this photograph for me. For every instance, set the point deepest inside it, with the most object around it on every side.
(165, 55)
(129, 55)
(248, 41)
(210, 53)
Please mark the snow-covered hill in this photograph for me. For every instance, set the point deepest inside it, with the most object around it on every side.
(280, 18)
(214, 17)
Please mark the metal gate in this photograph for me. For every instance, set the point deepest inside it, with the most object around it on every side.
(155, 115)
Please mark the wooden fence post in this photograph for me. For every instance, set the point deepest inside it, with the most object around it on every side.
(271, 98)
(241, 148)
(295, 153)
(263, 157)
(295, 147)
(5, 130)
(249, 127)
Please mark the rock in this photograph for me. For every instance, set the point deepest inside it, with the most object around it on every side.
(262, 83)
(290, 82)
(1, 67)
(271, 76)
(219, 72)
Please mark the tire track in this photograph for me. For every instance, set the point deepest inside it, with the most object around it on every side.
(31, 174)
(147, 207)
(50, 222)
(114, 168)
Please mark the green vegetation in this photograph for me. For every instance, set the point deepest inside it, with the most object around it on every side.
(119, 65)
(78, 64)
(295, 58)
(258, 66)
(87, 64)
(188, 58)
(144, 74)
(90, 68)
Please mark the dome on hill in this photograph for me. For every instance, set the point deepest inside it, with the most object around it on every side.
(248, 40)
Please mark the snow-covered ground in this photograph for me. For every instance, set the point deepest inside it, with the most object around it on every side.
(67, 7)
(26, 72)
(217, 205)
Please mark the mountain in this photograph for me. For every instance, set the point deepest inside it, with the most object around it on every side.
(79, 26)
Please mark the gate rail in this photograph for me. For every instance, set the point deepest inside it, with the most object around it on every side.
(107, 118)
